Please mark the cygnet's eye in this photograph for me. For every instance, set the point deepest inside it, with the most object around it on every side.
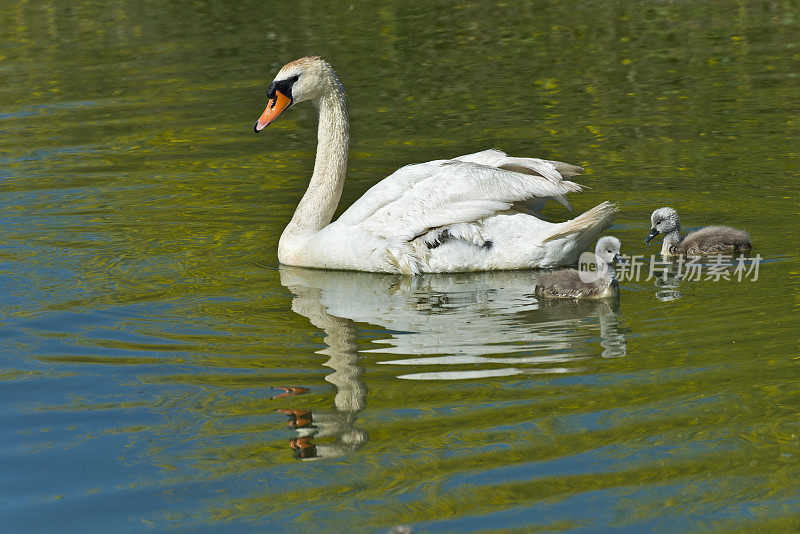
(609, 251)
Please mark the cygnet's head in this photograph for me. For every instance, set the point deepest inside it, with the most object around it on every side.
(307, 78)
(607, 249)
(663, 220)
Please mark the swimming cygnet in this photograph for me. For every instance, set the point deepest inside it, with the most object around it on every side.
(708, 240)
(571, 284)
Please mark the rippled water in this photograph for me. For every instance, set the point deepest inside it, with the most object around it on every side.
(160, 371)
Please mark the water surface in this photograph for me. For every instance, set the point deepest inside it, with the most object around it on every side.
(151, 341)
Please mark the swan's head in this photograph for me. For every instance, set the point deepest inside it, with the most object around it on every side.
(663, 220)
(608, 248)
(307, 78)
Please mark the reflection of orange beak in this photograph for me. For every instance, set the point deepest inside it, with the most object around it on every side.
(274, 108)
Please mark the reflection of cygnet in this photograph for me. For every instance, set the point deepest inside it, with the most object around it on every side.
(611, 338)
(708, 240)
(571, 284)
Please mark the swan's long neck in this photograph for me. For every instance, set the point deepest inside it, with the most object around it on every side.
(317, 206)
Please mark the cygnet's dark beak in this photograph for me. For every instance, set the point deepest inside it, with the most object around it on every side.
(619, 259)
(650, 236)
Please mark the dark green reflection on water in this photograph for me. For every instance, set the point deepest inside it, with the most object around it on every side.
(144, 323)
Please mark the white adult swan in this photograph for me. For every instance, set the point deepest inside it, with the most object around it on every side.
(470, 213)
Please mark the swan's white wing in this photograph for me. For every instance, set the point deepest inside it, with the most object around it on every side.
(388, 190)
(464, 189)
(459, 192)
(552, 170)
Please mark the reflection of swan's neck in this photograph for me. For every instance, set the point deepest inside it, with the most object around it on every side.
(342, 341)
(317, 206)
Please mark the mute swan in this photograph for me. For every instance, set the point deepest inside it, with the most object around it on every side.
(708, 240)
(470, 213)
(570, 284)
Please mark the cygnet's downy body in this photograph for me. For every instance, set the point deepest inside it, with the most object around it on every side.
(572, 284)
(708, 240)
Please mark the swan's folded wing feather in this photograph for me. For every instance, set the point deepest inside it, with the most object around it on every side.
(405, 179)
(552, 170)
(459, 192)
(389, 190)
(491, 157)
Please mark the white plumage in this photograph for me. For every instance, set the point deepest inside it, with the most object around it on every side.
(471, 213)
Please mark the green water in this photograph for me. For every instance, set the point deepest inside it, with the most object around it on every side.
(146, 327)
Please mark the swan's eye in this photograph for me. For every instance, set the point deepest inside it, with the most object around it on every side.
(608, 251)
(284, 86)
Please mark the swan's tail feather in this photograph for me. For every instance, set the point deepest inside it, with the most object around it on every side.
(592, 221)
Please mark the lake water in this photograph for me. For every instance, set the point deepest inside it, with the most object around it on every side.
(161, 372)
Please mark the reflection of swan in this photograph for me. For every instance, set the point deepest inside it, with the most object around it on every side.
(488, 321)
(350, 389)
(471, 213)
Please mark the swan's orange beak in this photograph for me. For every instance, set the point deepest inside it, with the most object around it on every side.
(274, 108)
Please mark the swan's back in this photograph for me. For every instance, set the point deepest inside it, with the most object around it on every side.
(715, 240)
